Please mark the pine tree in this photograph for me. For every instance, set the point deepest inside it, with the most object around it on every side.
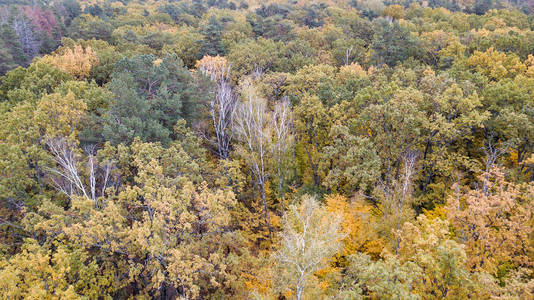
(212, 44)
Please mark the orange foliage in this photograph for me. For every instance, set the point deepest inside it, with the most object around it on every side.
(494, 222)
(357, 225)
(347, 71)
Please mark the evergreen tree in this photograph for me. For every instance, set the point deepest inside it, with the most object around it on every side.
(6, 59)
(212, 44)
(392, 43)
(151, 94)
(12, 44)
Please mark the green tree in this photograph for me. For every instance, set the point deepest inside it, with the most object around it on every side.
(31, 83)
(384, 279)
(6, 60)
(212, 45)
(14, 54)
(151, 95)
(392, 43)
(355, 163)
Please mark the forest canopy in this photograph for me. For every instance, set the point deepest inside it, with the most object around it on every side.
(245, 149)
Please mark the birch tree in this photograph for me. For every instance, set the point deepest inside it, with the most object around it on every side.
(27, 37)
(253, 127)
(396, 198)
(68, 175)
(282, 119)
(311, 235)
(222, 103)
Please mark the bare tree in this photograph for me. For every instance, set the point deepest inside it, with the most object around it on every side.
(410, 160)
(493, 152)
(4, 15)
(68, 177)
(253, 126)
(348, 53)
(29, 41)
(221, 106)
(282, 119)
(310, 236)
(396, 197)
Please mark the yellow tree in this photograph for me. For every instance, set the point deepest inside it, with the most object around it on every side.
(164, 228)
(76, 61)
(495, 64)
(66, 272)
(357, 224)
(216, 67)
(395, 12)
(58, 115)
(428, 244)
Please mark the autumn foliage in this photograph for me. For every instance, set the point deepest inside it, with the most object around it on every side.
(239, 149)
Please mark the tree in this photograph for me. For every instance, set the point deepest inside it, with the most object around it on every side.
(311, 127)
(347, 51)
(428, 244)
(161, 222)
(222, 104)
(392, 43)
(24, 162)
(187, 46)
(395, 199)
(395, 126)
(394, 12)
(28, 39)
(384, 279)
(212, 45)
(253, 127)
(494, 64)
(52, 272)
(76, 62)
(283, 138)
(263, 55)
(31, 83)
(88, 27)
(11, 44)
(429, 264)
(434, 43)
(313, 80)
(151, 95)
(6, 59)
(456, 114)
(482, 6)
(68, 177)
(59, 115)
(310, 237)
(98, 101)
(508, 128)
(103, 55)
(355, 165)
(43, 20)
(359, 226)
(493, 222)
